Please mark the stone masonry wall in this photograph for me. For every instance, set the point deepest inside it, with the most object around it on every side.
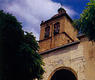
(70, 57)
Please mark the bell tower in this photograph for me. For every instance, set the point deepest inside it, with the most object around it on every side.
(57, 31)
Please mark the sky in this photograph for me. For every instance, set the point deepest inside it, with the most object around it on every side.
(31, 12)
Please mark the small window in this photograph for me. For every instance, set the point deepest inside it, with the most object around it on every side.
(56, 28)
(47, 31)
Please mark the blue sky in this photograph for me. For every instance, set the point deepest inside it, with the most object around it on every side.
(32, 12)
(76, 5)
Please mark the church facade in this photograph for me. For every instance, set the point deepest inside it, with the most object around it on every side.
(67, 55)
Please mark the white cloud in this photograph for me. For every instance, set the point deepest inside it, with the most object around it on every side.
(32, 12)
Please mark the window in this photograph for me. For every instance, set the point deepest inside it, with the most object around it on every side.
(56, 28)
(47, 31)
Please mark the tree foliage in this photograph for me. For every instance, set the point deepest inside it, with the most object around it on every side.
(19, 58)
(32, 60)
(86, 22)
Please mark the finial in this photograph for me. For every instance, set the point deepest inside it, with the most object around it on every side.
(61, 10)
(42, 21)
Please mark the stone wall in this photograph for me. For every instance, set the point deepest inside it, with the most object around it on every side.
(79, 58)
(70, 57)
(89, 55)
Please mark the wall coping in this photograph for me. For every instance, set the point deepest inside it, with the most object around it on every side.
(63, 46)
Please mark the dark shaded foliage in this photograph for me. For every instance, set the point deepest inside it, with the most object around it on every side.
(19, 58)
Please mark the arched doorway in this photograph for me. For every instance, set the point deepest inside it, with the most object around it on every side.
(63, 74)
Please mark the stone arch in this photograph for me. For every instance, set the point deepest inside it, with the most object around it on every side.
(63, 68)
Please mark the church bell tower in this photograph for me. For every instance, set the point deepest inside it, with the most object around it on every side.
(56, 31)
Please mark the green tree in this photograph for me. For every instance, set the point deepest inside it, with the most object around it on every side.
(11, 35)
(32, 60)
(19, 58)
(86, 22)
